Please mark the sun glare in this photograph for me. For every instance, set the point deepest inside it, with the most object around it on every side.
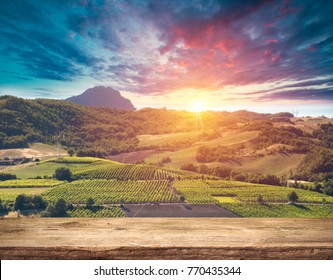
(198, 106)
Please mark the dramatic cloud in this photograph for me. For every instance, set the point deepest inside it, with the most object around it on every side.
(154, 48)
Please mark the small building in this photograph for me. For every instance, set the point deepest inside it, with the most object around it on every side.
(12, 161)
(7, 162)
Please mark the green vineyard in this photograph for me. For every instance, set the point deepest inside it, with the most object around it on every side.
(113, 191)
(10, 189)
(199, 191)
(110, 184)
(106, 212)
(195, 191)
(10, 194)
(30, 183)
(241, 198)
(254, 209)
(129, 172)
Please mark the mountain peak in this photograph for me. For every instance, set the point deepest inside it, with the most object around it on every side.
(101, 96)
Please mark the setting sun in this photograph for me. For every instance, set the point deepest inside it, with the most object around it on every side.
(198, 106)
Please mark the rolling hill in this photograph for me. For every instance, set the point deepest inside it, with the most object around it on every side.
(270, 144)
(186, 155)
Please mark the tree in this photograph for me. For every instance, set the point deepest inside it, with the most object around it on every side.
(90, 203)
(3, 207)
(203, 169)
(39, 202)
(222, 171)
(63, 174)
(292, 196)
(23, 202)
(7, 176)
(20, 202)
(318, 187)
(189, 167)
(60, 208)
(328, 187)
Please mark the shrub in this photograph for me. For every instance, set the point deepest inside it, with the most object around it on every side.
(59, 209)
(3, 207)
(63, 174)
(39, 202)
(189, 167)
(90, 203)
(20, 202)
(24, 202)
(7, 176)
(292, 196)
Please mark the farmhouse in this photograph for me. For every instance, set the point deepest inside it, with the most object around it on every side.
(11, 161)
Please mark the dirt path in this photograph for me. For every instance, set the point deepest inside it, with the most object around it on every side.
(166, 238)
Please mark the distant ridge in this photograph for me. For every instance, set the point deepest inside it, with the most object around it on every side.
(101, 96)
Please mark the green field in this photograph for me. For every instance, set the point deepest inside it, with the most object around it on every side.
(79, 160)
(26, 171)
(132, 172)
(92, 168)
(30, 183)
(279, 210)
(10, 194)
(241, 198)
(199, 191)
(48, 167)
(10, 189)
(113, 191)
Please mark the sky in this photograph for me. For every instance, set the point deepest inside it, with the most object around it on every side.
(264, 56)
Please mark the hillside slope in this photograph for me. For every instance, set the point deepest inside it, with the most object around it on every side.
(186, 155)
(91, 131)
